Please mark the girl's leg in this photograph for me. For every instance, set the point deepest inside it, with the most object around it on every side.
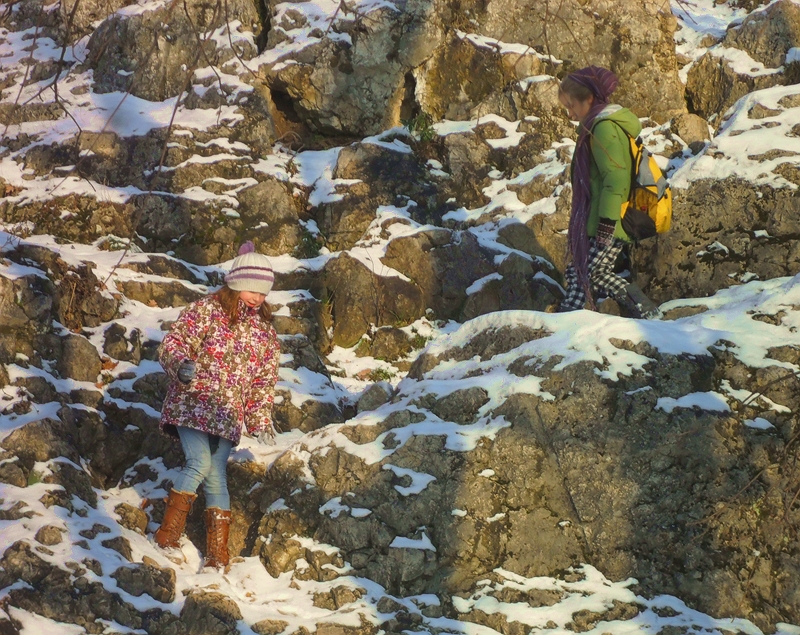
(216, 480)
(196, 448)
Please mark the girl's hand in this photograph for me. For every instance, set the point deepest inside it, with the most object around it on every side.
(186, 371)
(265, 438)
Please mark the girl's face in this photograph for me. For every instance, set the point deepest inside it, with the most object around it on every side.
(576, 109)
(252, 299)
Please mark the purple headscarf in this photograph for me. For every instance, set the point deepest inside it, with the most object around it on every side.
(601, 82)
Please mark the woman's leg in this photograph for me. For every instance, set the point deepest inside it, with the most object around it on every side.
(216, 480)
(196, 449)
(601, 276)
(574, 296)
(602, 261)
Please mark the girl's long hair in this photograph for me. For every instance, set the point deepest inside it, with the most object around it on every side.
(229, 301)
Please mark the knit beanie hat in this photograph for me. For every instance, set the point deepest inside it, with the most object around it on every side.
(250, 271)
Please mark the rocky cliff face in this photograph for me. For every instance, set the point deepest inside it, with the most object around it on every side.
(450, 456)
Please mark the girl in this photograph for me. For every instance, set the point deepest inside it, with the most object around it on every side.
(601, 179)
(222, 356)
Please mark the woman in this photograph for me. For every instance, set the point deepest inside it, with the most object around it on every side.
(601, 179)
(222, 356)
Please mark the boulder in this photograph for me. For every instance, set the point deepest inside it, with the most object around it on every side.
(379, 176)
(79, 359)
(700, 255)
(373, 397)
(210, 613)
(635, 40)
(50, 535)
(360, 298)
(767, 34)
(157, 50)
(390, 344)
(356, 84)
(138, 579)
(693, 129)
(713, 85)
(442, 264)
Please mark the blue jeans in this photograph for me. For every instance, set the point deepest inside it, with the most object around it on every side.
(206, 463)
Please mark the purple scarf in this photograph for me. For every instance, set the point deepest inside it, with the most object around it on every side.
(601, 82)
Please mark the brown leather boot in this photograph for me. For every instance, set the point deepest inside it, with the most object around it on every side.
(218, 524)
(178, 506)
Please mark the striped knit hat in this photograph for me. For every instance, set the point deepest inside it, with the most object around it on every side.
(250, 271)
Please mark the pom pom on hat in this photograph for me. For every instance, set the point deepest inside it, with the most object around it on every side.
(250, 271)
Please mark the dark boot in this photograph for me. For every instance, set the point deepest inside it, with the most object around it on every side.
(218, 524)
(639, 304)
(178, 506)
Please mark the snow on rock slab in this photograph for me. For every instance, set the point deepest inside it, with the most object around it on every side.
(628, 445)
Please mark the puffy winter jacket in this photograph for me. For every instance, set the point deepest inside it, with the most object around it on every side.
(237, 367)
(610, 168)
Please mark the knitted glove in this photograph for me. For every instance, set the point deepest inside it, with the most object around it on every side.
(186, 371)
(605, 232)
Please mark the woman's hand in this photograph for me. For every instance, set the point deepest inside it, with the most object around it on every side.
(186, 371)
(605, 232)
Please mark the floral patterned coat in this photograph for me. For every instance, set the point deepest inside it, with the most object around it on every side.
(237, 367)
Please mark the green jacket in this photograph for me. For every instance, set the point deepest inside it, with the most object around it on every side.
(610, 169)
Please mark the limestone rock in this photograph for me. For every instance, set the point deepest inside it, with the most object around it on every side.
(157, 582)
(309, 415)
(699, 256)
(461, 406)
(644, 58)
(79, 359)
(356, 86)
(373, 397)
(42, 440)
(86, 13)
(160, 218)
(210, 613)
(76, 482)
(390, 343)
(380, 177)
(361, 298)
(713, 85)
(441, 264)
(156, 68)
(691, 128)
(50, 535)
(769, 34)
(132, 518)
(161, 294)
(272, 211)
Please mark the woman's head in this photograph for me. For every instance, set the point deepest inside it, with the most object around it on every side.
(577, 99)
(580, 91)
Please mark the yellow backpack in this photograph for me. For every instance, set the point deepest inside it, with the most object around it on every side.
(648, 210)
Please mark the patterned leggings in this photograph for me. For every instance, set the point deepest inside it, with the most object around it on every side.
(601, 276)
